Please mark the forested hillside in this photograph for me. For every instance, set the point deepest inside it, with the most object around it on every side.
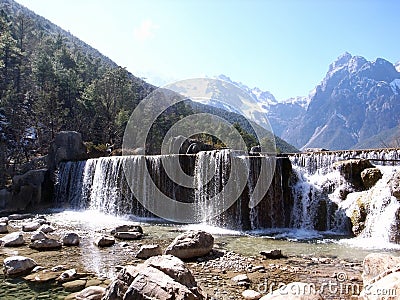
(49, 81)
(52, 81)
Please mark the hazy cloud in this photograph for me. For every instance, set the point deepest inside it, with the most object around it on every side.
(145, 30)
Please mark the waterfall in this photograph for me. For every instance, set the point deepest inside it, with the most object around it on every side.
(321, 163)
(69, 183)
(230, 189)
(380, 224)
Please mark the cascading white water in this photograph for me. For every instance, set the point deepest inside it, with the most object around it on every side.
(319, 182)
(211, 174)
(69, 183)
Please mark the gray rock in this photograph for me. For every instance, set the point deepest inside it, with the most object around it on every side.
(27, 189)
(389, 284)
(104, 241)
(45, 244)
(74, 286)
(45, 228)
(394, 185)
(4, 220)
(240, 278)
(147, 251)
(71, 239)
(67, 275)
(251, 295)
(13, 239)
(17, 217)
(377, 263)
(18, 265)
(91, 293)
(38, 236)
(31, 226)
(191, 244)
(67, 146)
(351, 171)
(273, 254)
(370, 177)
(127, 228)
(160, 277)
(3, 228)
(128, 235)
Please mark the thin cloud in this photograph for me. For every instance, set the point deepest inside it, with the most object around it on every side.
(145, 30)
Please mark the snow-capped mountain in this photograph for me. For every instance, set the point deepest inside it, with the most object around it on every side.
(265, 98)
(279, 114)
(357, 100)
(356, 105)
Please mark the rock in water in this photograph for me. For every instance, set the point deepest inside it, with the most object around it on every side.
(46, 228)
(191, 244)
(273, 254)
(45, 244)
(147, 251)
(18, 265)
(127, 232)
(31, 226)
(38, 236)
(160, 277)
(3, 228)
(13, 239)
(251, 295)
(370, 177)
(91, 293)
(127, 228)
(128, 235)
(104, 241)
(71, 239)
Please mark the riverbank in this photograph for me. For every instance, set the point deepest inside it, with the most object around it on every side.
(310, 262)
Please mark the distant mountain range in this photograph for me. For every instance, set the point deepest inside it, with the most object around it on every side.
(356, 105)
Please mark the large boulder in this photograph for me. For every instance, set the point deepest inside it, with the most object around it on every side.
(183, 145)
(376, 264)
(14, 239)
(370, 176)
(191, 244)
(160, 277)
(29, 189)
(394, 185)
(351, 171)
(384, 287)
(18, 265)
(67, 146)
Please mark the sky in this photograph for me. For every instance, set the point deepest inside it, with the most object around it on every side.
(281, 46)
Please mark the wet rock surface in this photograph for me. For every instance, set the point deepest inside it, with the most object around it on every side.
(191, 244)
(212, 272)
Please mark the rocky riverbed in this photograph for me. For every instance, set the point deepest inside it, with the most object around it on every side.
(221, 274)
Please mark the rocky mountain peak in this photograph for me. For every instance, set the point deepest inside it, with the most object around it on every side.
(340, 62)
(397, 66)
